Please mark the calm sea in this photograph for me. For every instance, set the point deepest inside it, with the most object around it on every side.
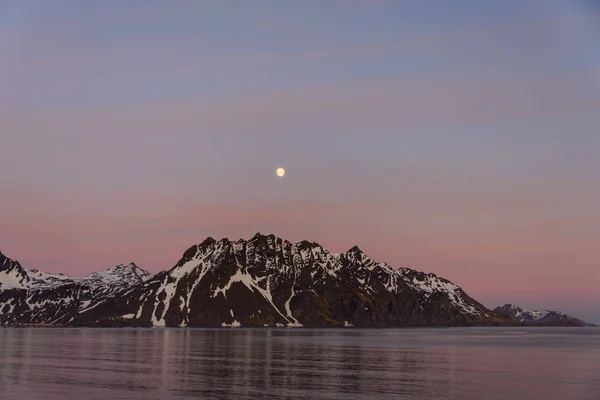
(462, 363)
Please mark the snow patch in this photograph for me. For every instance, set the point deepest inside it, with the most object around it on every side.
(234, 324)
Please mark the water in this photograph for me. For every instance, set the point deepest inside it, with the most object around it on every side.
(462, 363)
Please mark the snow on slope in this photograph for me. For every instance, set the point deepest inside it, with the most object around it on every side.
(523, 314)
(428, 284)
(13, 276)
(130, 274)
(286, 262)
(263, 281)
(33, 296)
(540, 317)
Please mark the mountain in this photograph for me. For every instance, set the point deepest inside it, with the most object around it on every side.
(13, 276)
(540, 317)
(34, 297)
(264, 281)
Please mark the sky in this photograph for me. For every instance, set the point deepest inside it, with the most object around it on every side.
(459, 138)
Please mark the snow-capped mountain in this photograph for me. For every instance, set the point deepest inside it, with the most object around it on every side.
(265, 281)
(13, 276)
(540, 317)
(31, 296)
(127, 275)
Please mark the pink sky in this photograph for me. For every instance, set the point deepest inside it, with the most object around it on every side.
(461, 141)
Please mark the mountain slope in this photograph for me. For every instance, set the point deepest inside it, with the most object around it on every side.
(34, 297)
(540, 317)
(265, 281)
(12, 275)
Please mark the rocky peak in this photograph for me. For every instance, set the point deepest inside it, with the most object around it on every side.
(260, 236)
(355, 253)
(260, 241)
(8, 264)
(12, 275)
(121, 274)
(539, 317)
(209, 241)
(509, 308)
(356, 256)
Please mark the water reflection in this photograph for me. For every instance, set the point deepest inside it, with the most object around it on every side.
(289, 363)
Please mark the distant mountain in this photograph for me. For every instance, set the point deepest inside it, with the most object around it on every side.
(265, 281)
(13, 276)
(31, 296)
(540, 317)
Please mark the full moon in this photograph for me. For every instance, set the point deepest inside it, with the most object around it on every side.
(280, 172)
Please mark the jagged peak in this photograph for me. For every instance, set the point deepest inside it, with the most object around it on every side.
(210, 241)
(355, 249)
(357, 254)
(207, 242)
(130, 266)
(8, 263)
(120, 273)
(223, 241)
(3, 258)
(191, 252)
(510, 306)
(259, 237)
(309, 244)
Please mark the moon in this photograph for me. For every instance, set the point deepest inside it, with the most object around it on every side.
(280, 172)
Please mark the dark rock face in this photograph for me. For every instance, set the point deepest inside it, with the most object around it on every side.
(540, 317)
(11, 273)
(265, 281)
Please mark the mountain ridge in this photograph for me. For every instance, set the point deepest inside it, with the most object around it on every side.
(541, 317)
(14, 276)
(263, 281)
